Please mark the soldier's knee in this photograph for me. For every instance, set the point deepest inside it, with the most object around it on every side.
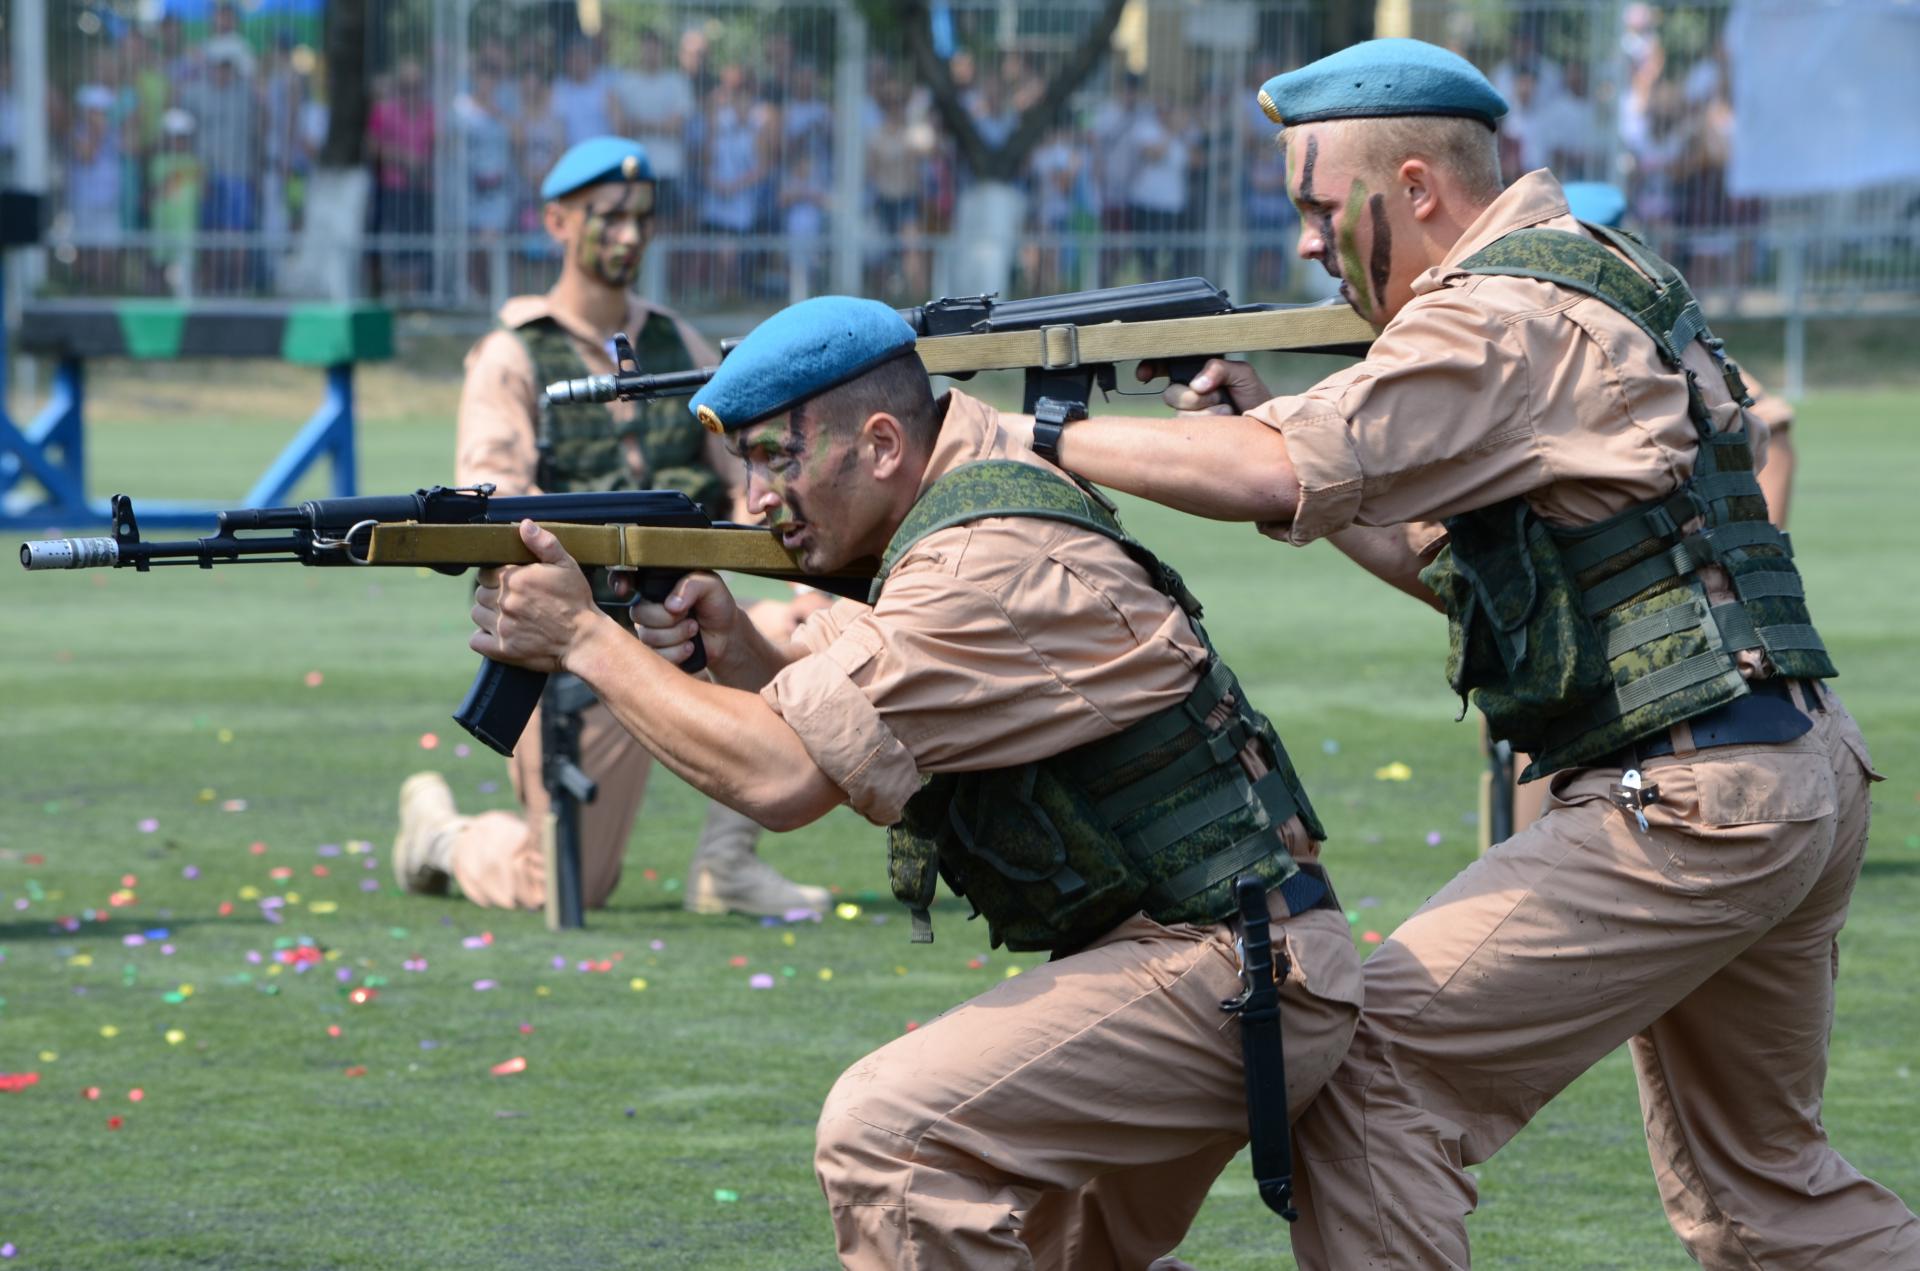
(861, 1152)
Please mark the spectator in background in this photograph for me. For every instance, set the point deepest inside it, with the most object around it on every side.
(1271, 221)
(400, 144)
(1114, 160)
(1062, 195)
(654, 103)
(897, 153)
(806, 121)
(93, 185)
(287, 91)
(486, 138)
(227, 137)
(173, 181)
(1158, 190)
(732, 169)
(582, 95)
(805, 195)
(539, 139)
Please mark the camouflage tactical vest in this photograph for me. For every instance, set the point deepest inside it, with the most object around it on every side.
(1160, 817)
(1576, 642)
(578, 443)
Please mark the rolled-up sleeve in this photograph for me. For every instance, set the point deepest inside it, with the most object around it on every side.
(1435, 418)
(496, 418)
(842, 729)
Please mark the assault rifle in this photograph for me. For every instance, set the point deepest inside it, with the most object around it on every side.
(656, 535)
(1067, 344)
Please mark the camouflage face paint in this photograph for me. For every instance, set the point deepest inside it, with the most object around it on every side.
(1307, 200)
(615, 262)
(1349, 249)
(1381, 266)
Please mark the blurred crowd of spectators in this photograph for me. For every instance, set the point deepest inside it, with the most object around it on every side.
(183, 136)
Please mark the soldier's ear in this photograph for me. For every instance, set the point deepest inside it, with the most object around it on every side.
(554, 217)
(886, 440)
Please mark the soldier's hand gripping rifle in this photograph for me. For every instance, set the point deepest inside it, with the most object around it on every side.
(1068, 344)
(657, 535)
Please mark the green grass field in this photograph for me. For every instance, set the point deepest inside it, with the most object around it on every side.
(166, 765)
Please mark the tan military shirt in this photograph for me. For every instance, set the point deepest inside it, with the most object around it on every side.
(995, 643)
(1487, 387)
(500, 403)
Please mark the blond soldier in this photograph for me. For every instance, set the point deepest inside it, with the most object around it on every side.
(1622, 610)
(600, 212)
(1031, 706)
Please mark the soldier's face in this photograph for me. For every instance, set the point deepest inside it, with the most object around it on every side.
(803, 479)
(1345, 223)
(610, 230)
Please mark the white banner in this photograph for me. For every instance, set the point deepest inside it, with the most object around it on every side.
(1826, 95)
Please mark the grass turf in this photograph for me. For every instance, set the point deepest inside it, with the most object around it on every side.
(155, 729)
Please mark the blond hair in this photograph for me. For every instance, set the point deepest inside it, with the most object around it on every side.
(1465, 149)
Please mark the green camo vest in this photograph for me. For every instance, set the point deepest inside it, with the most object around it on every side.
(1160, 817)
(578, 444)
(1576, 642)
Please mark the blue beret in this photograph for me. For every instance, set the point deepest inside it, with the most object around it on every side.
(595, 160)
(1596, 202)
(1382, 77)
(798, 353)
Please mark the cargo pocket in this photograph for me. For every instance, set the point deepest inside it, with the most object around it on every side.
(1748, 826)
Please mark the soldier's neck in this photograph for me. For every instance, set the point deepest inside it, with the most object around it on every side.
(590, 301)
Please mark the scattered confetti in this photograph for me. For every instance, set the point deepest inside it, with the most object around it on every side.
(109, 1031)
(136, 1095)
(725, 1196)
(115, 1122)
(91, 1093)
(637, 984)
(15, 1082)
(1433, 838)
(333, 1030)
(429, 741)
(1371, 937)
(847, 910)
(175, 1036)
(760, 981)
(149, 825)
(1395, 771)
(323, 907)
(357, 1070)
(361, 996)
(482, 986)
(826, 973)
(315, 679)
(508, 1067)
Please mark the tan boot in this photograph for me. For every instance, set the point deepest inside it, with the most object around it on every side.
(428, 821)
(726, 876)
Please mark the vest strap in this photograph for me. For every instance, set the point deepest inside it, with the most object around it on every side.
(1735, 627)
(1669, 621)
(1663, 520)
(1732, 483)
(1158, 835)
(1214, 750)
(1197, 877)
(1763, 583)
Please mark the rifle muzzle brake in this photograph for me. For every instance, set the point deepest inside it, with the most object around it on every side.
(69, 553)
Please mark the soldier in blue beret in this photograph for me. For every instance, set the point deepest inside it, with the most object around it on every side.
(1030, 706)
(1547, 442)
(599, 213)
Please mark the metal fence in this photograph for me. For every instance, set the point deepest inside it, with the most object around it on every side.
(800, 149)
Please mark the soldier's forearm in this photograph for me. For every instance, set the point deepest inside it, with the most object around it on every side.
(1226, 467)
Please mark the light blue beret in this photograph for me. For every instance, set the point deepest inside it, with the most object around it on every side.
(1596, 202)
(798, 353)
(1382, 77)
(595, 160)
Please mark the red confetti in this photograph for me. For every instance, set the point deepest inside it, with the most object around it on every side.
(737, 960)
(429, 741)
(526, 1029)
(128, 880)
(333, 1030)
(280, 872)
(91, 1092)
(319, 871)
(361, 996)
(314, 679)
(1371, 937)
(650, 874)
(507, 1067)
(257, 848)
(912, 1024)
(15, 1082)
(358, 1070)
(226, 909)
(135, 1095)
(36, 858)
(114, 1123)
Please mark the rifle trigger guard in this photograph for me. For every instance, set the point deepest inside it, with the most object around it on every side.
(1072, 334)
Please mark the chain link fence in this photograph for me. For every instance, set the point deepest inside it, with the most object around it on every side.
(804, 147)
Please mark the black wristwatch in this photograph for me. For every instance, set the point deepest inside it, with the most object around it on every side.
(1051, 416)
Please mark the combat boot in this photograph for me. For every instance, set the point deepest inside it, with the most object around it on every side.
(726, 875)
(429, 822)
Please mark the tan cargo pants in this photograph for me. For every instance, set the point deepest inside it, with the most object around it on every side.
(499, 860)
(1076, 1115)
(1708, 942)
